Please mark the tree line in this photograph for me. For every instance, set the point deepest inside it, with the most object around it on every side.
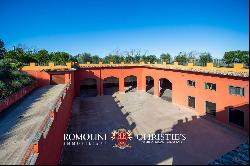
(43, 57)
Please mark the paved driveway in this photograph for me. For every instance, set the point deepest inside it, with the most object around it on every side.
(145, 114)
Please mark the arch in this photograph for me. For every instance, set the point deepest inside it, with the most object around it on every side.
(110, 85)
(88, 87)
(149, 84)
(130, 83)
(165, 88)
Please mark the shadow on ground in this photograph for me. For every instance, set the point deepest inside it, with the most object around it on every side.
(205, 141)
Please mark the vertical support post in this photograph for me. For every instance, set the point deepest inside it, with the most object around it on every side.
(143, 83)
(156, 87)
(99, 87)
(77, 83)
(100, 84)
(121, 85)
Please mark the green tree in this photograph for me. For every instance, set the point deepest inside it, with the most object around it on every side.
(149, 58)
(136, 54)
(192, 56)
(205, 58)
(96, 59)
(2, 49)
(144, 58)
(11, 54)
(113, 58)
(84, 58)
(129, 59)
(165, 57)
(42, 56)
(236, 57)
(181, 58)
(245, 59)
(73, 58)
(19, 54)
(138, 58)
(60, 58)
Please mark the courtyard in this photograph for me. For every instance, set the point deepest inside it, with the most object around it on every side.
(143, 113)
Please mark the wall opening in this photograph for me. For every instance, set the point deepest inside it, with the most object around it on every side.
(130, 84)
(191, 102)
(210, 108)
(165, 89)
(236, 117)
(57, 79)
(110, 85)
(150, 85)
(88, 88)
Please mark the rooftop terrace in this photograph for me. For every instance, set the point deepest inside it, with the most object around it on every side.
(22, 125)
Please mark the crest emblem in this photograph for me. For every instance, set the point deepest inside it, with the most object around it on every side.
(122, 136)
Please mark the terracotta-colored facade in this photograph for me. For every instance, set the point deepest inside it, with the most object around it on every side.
(180, 89)
(49, 150)
(49, 146)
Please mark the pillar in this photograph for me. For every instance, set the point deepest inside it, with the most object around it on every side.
(100, 87)
(143, 84)
(156, 87)
(77, 83)
(121, 85)
(140, 83)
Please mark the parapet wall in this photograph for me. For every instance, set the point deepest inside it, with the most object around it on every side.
(237, 69)
(45, 148)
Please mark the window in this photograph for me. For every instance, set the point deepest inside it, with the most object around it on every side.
(191, 101)
(191, 83)
(236, 91)
(210, 86)
(210, 108)
(236, 117)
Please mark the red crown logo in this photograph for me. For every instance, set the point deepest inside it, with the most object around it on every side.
(122, 136)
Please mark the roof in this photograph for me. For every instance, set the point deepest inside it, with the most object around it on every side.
(24, 123)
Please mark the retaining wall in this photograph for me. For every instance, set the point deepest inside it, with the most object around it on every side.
(6, 103)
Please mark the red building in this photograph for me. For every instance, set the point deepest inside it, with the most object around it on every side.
(218, 93)
(221, 93)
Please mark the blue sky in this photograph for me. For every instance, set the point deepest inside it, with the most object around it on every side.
(101, 26)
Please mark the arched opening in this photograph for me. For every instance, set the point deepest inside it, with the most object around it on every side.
(130, 83)
(88, 87)
(165, 89)
(150, 85)
(110, 85)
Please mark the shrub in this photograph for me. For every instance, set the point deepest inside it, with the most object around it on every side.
(12, 80)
